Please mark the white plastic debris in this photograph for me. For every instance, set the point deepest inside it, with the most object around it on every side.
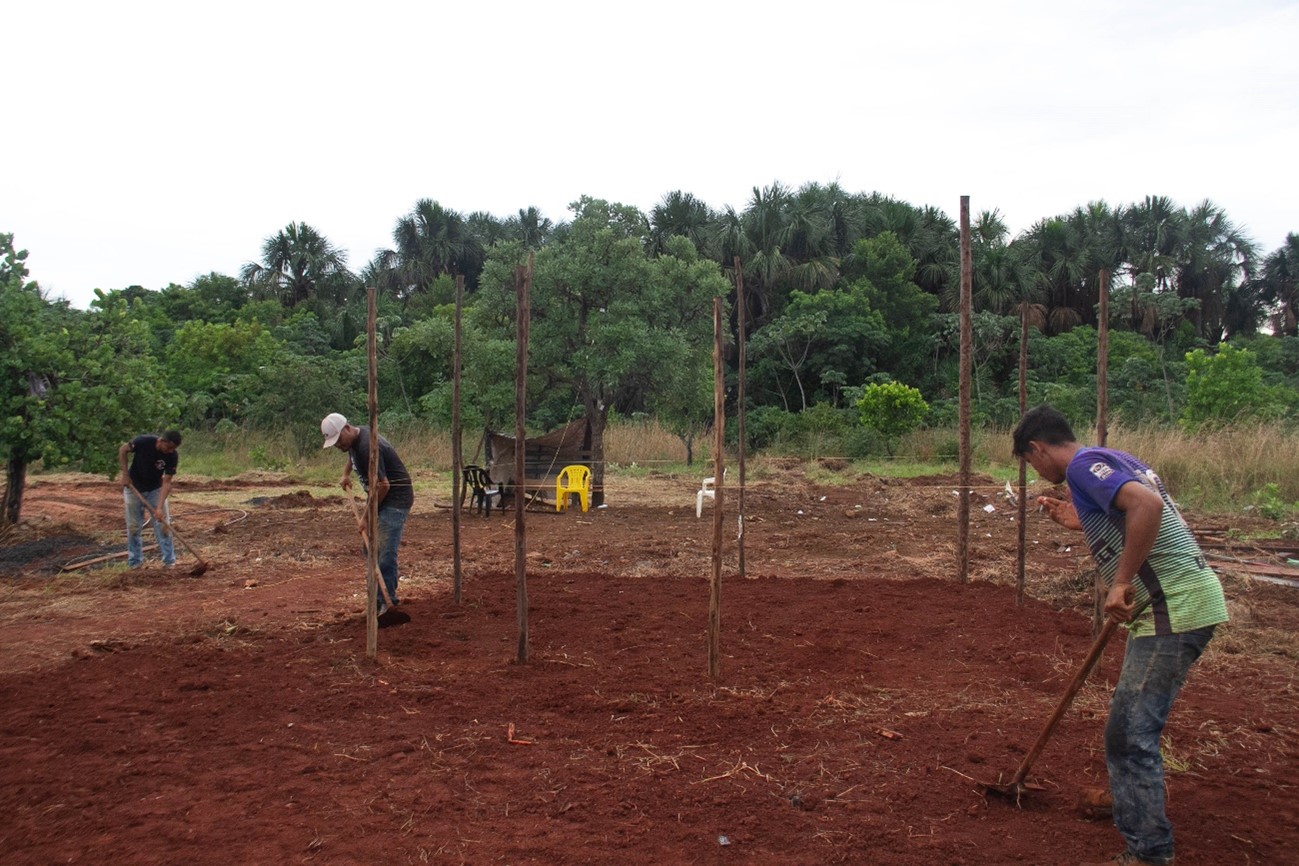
(989, 508)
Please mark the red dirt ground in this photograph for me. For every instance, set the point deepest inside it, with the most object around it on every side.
(149, 717)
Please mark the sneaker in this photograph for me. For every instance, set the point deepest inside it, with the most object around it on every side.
(1127, 858)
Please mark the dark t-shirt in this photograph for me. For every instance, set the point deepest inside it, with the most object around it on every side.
(400, 492)
(149, 464)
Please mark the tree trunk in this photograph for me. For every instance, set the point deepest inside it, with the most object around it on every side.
(596, 418)
(15, 479)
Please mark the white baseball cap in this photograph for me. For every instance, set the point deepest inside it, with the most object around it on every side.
(332, 427)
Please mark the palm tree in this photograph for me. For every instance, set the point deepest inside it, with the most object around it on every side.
(1055, 256)
(1279, 286)
(431, 241)
(813, 238)
(297, 264)
(1215, 267)
(1001, 282)
(765, 225)
(529, 228)
(680, 213)
(487, 229)
(1152, 232)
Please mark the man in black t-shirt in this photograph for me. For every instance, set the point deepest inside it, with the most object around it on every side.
(393, 489)
(151, 471)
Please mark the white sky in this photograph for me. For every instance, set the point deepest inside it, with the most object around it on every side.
(152, 142)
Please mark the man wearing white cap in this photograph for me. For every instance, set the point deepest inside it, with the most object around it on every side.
(393, 489)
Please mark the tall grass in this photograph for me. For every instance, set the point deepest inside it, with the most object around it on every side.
(1224, 469)
(1214, 470)
(1218, 469)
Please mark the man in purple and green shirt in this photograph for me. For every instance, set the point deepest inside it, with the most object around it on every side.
(1144, 551)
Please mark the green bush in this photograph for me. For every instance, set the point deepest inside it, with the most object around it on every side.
(1269, 503)
(1226, 387)
(766, 426)
(891, 409)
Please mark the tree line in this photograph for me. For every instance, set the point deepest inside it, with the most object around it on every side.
(842, 291)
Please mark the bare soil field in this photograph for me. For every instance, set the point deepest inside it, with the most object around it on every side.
(152, 717)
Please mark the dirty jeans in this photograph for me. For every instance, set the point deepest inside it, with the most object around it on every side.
(135, 514)
(1154, 670)
(391, 523)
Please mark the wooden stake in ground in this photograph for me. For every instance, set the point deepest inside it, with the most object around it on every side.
(457, 454)
(1102, 414)
(1103, 361)
(371, 502)
(1022, 504)
(522, 289)
(719, 473)
(741, 313)
(967, 351)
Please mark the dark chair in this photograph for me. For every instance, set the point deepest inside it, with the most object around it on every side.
(480, 483)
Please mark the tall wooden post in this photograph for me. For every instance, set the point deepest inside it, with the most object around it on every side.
(1102, 415)
(742, 312)
(719, 473)
(457, 446)
(967, 353)
(522, 313)
(1022, 505)
(1103, 361)
(372, 576)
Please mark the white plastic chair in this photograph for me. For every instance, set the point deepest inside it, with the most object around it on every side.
(707, 489)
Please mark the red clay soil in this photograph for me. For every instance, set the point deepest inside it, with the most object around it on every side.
(150, 717)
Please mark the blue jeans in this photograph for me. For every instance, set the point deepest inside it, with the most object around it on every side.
(391, 523)
(1154, 670)
(135, 514)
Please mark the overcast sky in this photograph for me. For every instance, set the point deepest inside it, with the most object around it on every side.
(148, 143)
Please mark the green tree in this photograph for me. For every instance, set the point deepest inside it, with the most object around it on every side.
(892, 410)
(212, 298)
(604, 314)
(296, 391)
(76, 384)
(682, 397)
(219, 367)
(1225, 387)
(823, 338)
(884, 270)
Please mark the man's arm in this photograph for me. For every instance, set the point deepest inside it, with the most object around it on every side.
(1143, 510)
(122, 453)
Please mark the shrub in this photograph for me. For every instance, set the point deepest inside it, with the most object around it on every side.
(1226, 387)
(891, 409)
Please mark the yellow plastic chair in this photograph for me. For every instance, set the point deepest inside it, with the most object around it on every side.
(574, 479)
